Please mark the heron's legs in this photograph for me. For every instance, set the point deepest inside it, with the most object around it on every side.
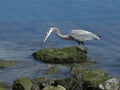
(82, 46)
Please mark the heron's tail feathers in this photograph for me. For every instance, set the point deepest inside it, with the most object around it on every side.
(97, 37)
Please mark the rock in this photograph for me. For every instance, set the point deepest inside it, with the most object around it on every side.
(93, 76)
(22, 84)
(43, 82)
(35, 87)
(70, 83)
(58, 87)
(83, 78)
(110, 84)
(52, 70)
(7, 63)
(61, 55)
(76, 72)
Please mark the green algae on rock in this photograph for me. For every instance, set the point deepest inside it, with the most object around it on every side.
(7, 63)
(83, 78)
(22, 84)
(61, 55)
(93, 77)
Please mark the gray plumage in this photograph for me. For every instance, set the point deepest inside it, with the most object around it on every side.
(82, 35)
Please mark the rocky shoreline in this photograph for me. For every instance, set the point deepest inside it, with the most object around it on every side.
(81, 77)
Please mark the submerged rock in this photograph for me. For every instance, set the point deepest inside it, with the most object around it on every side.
(7, 63)
(61, 55)
(52, 70)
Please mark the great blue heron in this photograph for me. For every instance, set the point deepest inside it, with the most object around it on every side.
(79, 36)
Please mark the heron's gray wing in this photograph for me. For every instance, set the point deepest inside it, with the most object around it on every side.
(82, 35)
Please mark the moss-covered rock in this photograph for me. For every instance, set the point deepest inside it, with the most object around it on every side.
(93, 77)
(22, 84)
(7, 63)
(83, 78)
(61, 55)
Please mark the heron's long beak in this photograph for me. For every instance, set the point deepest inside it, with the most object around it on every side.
(47, 35)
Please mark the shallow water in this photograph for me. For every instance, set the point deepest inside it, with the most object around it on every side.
(24, 23)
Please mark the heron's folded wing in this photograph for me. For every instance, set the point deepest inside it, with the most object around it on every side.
(82, 35)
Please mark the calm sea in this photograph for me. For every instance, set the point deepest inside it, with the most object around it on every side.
(24, 23)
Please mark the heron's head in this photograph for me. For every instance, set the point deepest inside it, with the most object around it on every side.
(49, 32)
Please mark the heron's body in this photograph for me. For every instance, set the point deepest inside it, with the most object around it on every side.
(79, 36)
(82, 35)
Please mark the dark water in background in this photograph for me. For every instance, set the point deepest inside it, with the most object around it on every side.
(24, 23)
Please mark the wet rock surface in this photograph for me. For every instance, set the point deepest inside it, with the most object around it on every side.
(61, 55)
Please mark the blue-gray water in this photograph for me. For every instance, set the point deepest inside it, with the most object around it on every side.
(24, 23)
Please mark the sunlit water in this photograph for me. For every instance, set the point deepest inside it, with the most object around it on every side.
(24, 23)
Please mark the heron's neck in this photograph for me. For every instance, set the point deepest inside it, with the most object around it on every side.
(61, 35)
